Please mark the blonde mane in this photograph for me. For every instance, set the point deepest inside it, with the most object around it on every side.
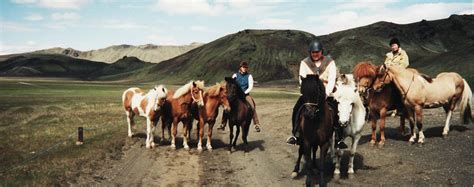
(214, 90)
(187, 87)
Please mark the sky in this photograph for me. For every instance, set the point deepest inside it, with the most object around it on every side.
(28, 25)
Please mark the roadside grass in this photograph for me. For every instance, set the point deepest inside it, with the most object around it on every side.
(39, 121)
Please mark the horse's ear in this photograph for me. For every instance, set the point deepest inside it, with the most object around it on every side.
(194, 84)
(164, 90)
(355, 90)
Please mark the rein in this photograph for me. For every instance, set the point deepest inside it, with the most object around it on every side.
(301, 107)
(404, 95)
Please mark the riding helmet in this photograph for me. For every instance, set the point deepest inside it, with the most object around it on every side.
(315, 46)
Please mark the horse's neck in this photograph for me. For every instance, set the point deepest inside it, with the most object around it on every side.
(402, 79)
(358, 114)
(211, 103)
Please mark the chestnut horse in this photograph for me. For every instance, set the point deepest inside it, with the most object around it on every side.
(214, 97)
(178, 109)
(315, 120)
(240, 114)
(447, 90)
(378, 102)
(136, 102)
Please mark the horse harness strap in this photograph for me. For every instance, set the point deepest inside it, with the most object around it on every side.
(404, 95)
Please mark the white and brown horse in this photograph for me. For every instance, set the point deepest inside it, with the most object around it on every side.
(447, 90)
(178, 109)
(136, 102)
(214, 97)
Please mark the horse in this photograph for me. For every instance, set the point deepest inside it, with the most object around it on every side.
(447, 90)
(136, 102)
(214, 97)
(378, 102)
(178, 109)
(240, 114)
(315, 120)
(351, 114)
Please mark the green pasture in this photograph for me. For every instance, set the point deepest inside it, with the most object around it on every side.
(39, 121)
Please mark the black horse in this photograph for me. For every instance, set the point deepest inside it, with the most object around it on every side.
(315, 120)
(240, 113)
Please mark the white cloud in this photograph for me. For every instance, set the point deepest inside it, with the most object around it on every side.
(67, 16)
(186, 7)
(34, 17)
(59, 4)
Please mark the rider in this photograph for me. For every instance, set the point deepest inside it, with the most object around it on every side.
(325, 67)
(245, 81)
(397, 56)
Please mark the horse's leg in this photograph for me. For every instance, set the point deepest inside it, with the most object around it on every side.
(231, 135)
(383, 115)
(130, 122)
(152, 140)
(148, 132)
(209, 134)
(403, 130)
(245, 133)
(308, 164)
(297, 166)
(185, 134)
(449, 111)
(419, 123)
(163, 126)
(355, 142)
(374, 131)
(200, 133)
(175, 131)
(337, 166)
(237, 133)
(322, 157)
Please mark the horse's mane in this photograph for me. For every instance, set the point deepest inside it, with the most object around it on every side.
(159, 91)
(214, 90)
(365, 69)
(240, 92)
(187, 87)
(318, 86)
(346, 79)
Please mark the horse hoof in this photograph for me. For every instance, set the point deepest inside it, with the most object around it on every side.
(420, 144)
(209, 148)
(337, 172)
(173, 147)
(372, 142)
(294, 174)
(350, 171)
(186, 148)
(381, 145)
(336, 176)
(445, 136)
(199, 149)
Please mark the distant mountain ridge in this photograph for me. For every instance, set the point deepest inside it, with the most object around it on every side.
(148, 53)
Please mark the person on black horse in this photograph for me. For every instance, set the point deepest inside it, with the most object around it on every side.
(325, 68)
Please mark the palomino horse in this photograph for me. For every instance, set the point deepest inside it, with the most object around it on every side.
(351, 114)
(178, 109)
(315, 120)
(378, 102)
(447, 90)
(136, 102)
(214, 97)
(240, 114)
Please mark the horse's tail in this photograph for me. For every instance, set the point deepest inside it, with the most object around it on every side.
(465, 104)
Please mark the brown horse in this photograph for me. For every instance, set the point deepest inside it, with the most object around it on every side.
(315, 120)
(178, 109)
(136, 102)
(214, 97)
(447, 90)
(378, 102)
(240, 114)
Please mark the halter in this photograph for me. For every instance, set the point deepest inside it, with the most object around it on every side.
(194, 99)
(301, 107)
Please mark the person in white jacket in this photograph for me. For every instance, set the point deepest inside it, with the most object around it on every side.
(325, 67)
(245, 80)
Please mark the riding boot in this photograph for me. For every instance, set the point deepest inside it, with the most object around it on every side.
(294, 139)
(225, 117)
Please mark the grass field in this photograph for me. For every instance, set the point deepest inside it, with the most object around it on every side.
(39, 121)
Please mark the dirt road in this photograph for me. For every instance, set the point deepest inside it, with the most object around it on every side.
(448, 161)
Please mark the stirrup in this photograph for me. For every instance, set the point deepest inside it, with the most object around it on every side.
(257, 127)
(292, 140)
(221, 127)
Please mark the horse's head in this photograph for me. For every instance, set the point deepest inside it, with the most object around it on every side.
(313, 94)
(197, 92)
(159, 93)
(219, 93)
(346, 95)
(233, 90)
(364, 74)
(382, 78)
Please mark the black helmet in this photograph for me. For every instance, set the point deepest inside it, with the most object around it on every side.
(315, 46)
(394, 41)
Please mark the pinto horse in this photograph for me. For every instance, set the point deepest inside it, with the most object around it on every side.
(447, 90)
(351, 114)
(136, 102)
(178, 109)
(240, 114)
(214, 97)
(315, 120)
(378, 102)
